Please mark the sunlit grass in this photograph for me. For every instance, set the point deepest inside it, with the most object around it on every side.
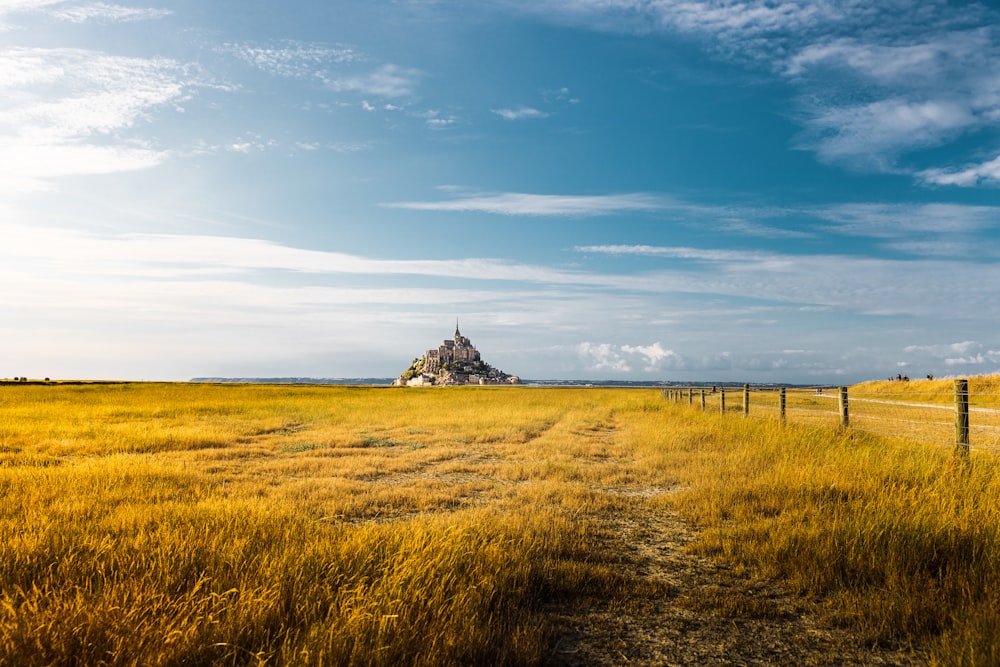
(199, 524)
(186, 524)
(900, 543)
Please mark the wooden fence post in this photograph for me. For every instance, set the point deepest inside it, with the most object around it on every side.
(962, 418)
(702, 399)
(781, 402)
(722, 400)
(844, 418)
(746, 400)
(690, 396)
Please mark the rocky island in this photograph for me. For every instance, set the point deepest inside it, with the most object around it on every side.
(454, 362)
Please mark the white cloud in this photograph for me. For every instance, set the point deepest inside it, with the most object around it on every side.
(99, 283)
(679, 253)
(732, 26)
(942, 351)
(902, 221)
(610, 357)
(29, 167)
(66, 10)
(521, 113)
(876, 82)
(864, 285)
(603, 357)
(327, 64)
(929, 58)
(11, 6)
(516, 203)
(964, 353)
(64, 111)
(135, 255)
(654, 354)
(966, 361)
(350, 146)
(920, 90)
(987, 173)
(874, 134)
(103, 11)
(436, 120)
(293, 59)
(384, 81)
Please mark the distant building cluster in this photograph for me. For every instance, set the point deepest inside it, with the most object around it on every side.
(454, 362)
(458, 348)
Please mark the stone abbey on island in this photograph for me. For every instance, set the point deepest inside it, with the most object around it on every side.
(454, 362)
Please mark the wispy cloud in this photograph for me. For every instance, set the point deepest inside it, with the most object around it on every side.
(650, 358)
(517, 203)
(520, 113)
(603, 357)
(912, 64)
(920, 90)
(12, 6)
(875, 134)
(656, 358)
(185, 281)
(678, 253)
(67, 111)
(987, 173)
(737, 27)
(30, 167)
(292, 58)
(185, 255)
(102, 11)
(942, 226)
(436, 119)
(877, 82)
(384, 81)
(872, 286)
(339, 67)
(906, 220)
(965, 353)
(79, 12)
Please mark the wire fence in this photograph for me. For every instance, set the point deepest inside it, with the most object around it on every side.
(938, 417)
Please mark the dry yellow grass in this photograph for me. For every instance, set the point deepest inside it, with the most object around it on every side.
(198, 524)
(170, 524)
(898, 541)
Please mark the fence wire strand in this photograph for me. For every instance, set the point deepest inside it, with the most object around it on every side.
(926, 417)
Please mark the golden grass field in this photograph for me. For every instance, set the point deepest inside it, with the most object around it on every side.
(167, 524)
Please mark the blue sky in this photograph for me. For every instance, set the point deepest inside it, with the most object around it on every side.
(760, 191)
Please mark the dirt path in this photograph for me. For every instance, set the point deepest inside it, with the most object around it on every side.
(708, 616)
